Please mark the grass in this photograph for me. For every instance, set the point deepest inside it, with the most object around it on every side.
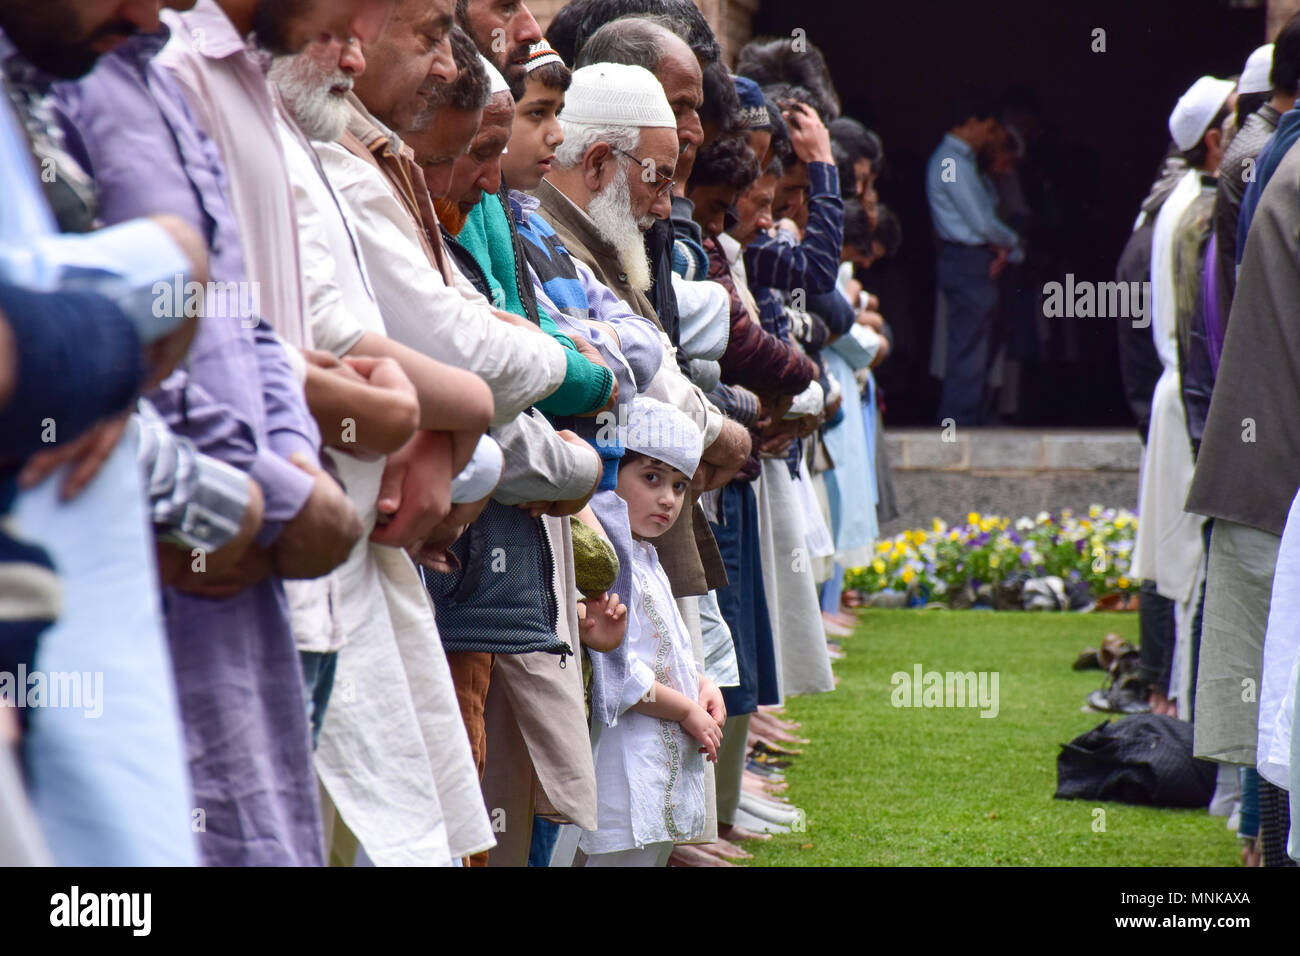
(887, 786)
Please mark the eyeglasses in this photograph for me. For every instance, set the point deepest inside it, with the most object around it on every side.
(663, 185)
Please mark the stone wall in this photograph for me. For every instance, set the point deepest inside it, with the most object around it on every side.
(1009, 472)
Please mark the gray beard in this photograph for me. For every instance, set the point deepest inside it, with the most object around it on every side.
(306, 92)
(610, 211)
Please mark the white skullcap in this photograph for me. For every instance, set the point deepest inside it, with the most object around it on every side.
(616, 94)
(497, 81)
(1254, 75)
(659, 431)
(1198, 106)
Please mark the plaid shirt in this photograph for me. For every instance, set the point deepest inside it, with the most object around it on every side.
(774, 267)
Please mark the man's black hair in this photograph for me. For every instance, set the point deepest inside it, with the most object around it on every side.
(857, 227)
(769, 61)
(727, 161)
(1285, 75)
(968, 105)
(782, 92)
(1248, 103)
(888, 231)
(782, 148)
(576, 21)
(721, 106)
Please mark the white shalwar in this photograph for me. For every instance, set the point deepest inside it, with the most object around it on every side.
(649, 772)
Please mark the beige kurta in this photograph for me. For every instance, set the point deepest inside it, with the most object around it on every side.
(539, 751)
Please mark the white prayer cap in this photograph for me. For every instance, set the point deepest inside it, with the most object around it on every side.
(1254, 75)
(659, 431)
(497, 81)
(1198, 106)
(616, 94)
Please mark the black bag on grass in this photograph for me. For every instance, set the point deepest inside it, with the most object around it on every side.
(1143, 758)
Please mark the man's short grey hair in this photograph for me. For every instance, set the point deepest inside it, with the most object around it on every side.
(636, 40)
(580, 138)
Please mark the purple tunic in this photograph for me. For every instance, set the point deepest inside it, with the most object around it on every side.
(237, 670)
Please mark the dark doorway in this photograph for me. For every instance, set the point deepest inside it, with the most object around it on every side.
(897, 66)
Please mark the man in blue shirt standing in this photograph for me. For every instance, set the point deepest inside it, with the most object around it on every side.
(974, 247)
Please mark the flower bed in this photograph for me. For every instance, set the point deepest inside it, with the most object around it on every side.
(945, 562)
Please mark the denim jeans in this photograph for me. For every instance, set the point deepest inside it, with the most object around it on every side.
(318, 681)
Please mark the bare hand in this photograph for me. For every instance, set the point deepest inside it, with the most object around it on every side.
(777, 445)
(712, 702)
(700, 725)
(415, 491)
(319, 537)
(871, 319)
(592, 355)
(999, 262)
(602, 621)
(808, 134)
(86, 454)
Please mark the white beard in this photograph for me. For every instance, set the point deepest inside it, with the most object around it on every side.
(306, 88)
(611, 213)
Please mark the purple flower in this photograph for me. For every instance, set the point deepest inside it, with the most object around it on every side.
(1013, 536)
(1080, 545)
(1024, 557)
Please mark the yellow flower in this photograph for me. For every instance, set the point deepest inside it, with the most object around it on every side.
(908, 574)
(878, 566)
(1085, 525)
(953, 535)
(1121, 522)
(994, 560)
(1094, 511)
(884, 547)
(986, 525)
(920, 537)
(973, 518)
(938, 526)
(1123, 584)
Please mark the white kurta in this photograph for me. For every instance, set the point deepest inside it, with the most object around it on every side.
(393, 756)
(1281, 659)
(649, 773)
(1169, 545)
(792, 600)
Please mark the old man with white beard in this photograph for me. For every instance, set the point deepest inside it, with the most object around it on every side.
(393, 758)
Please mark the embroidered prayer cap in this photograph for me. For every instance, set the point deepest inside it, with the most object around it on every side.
(540, 54)
(753, 108)
(659, 431)
(1255, 74)
(616, 94)
(1197, 107)
(497, 82)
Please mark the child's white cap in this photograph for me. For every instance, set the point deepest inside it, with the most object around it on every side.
(659, 431)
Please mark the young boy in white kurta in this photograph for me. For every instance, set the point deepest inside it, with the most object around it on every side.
(650, 765)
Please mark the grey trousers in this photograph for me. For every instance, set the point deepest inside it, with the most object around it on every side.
(731, 766)
(1238, 589)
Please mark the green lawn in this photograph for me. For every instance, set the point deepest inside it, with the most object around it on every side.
(884, 785)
